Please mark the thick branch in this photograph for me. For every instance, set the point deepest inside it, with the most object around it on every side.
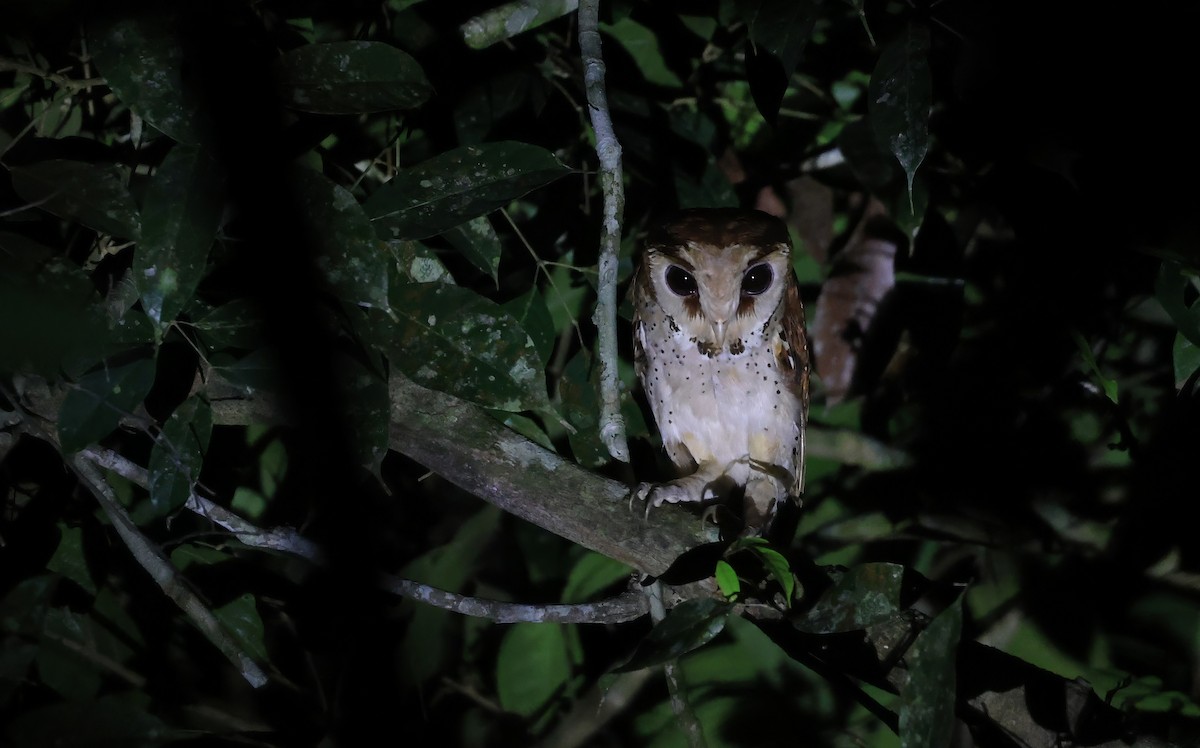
(510, 19)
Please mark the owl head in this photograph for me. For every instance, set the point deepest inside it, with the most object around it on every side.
(719, 273)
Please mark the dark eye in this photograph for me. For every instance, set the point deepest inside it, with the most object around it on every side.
(757, 279)
(681, 281)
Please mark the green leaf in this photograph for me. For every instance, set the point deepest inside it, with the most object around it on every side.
(476, 240)
(533, 665)
(900, 96)
(529, 309)
(178, 455)
(1186, 356)
(351, 257)
(592, 573)
(782, 27)
(1107, 384)
(863, 596)
(727, 581)
(779, 568)
(451, 339)
(257, 370)
(23, 608)
(100, 399)
(1172, 288)
(240, 617)
(368, 411)
(95, 195)
(642, 44)
(141, 58)
(688, 626)
(580, 405)
(459, 185)
(191, 554)
(351, 77)
(68, 558)
(180, 218)
(927, 700)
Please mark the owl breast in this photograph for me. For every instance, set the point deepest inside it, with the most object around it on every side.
(729, 406)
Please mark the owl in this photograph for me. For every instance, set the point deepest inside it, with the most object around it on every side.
(722, 355)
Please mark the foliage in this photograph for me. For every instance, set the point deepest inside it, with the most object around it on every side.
(283, 205)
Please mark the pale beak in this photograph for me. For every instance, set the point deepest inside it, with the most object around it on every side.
(719, 327)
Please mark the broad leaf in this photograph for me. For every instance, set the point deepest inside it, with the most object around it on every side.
(689, 625)
(240, 617)
(178, 455)
(476, 240)
(533, 665)
(68, 558)
(351, 257)
(351, 77)
(92, 194)
(782, 27)
(235, 324)
(180, 218)
(451, 339)
(592, 574)
(417, 263)
(580, 405)
(727, 581)
(100, 399)
(141, 58)
(927, 699)
(863, 596)
(642, 44)
(118, 719)
(900, 96)
(459, 185)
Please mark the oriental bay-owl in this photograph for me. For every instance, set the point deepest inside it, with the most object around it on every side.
(722, 355)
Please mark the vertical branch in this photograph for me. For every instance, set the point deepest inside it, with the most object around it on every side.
(612, 426)
(688, 723)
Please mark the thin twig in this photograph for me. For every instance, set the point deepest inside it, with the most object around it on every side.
(62, 81)
(612, 425)
(164, 573)
(684, 716)
(627, 606)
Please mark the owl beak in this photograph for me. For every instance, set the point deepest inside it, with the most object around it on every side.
(719, 328)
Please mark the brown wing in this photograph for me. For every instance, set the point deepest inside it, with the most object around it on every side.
(793, 362)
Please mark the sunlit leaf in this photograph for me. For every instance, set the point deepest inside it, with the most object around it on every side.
(240, 617)
(141, 59)
(900, 97)
(180, 217)
(350, 257)
(451, 339)
(533, 664)
(351, 77)
(100, 399)
(459, 185)
(927, 699)
(95, 195)
(689, 625)
(178, 455)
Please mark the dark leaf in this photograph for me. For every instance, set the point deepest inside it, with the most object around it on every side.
(240, 617)
(117, 719)
(100, 399)
(92, 194)
(782, 27)
(180, 218)
(178, 454)
(476, 240)
(927, 700)
(235, 324)
(863, 596)
(688, 626)
(456, 186)
(141, 58)
(900, 97)
(351, 77)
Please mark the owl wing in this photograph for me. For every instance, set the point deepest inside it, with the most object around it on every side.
(793, 361)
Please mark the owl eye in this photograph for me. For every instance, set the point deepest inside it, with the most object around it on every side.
(681, 281)
(757, 279)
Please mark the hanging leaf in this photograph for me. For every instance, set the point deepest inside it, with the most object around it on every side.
(689, 625)
(642, 45)
(92, 194)
(351, 77)
(927, 699)
(782, 27)
(100, 399)
(459, 185)
(178, 455)
(351, 256)
(451, 339)
(240, 617)
(900, 96)
(141, 59)
(476, 240)
(180, 218)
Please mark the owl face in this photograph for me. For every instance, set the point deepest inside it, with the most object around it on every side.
(719, 275)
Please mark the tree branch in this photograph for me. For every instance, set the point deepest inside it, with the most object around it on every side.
(612, 426)
(508, 20)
